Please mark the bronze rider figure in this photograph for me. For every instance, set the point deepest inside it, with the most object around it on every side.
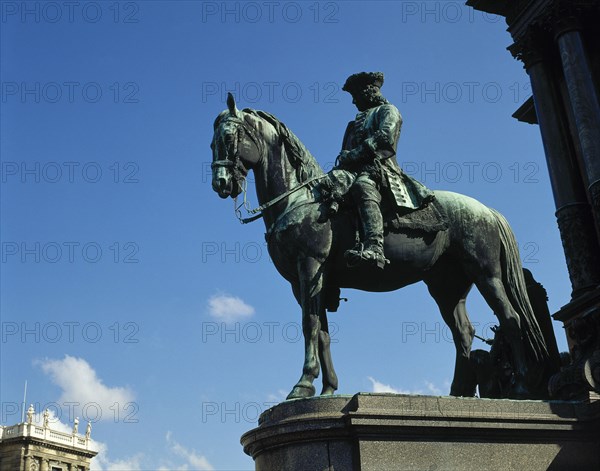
(369, 151)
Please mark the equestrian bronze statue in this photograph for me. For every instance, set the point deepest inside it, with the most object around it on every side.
(314, 234)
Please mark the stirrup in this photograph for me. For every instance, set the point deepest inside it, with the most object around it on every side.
(359, 256)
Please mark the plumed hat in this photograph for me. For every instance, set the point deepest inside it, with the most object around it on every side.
(359, 82)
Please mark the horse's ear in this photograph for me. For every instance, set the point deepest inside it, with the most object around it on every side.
(231, 104)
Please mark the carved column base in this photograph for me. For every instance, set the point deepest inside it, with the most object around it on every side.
(581, 319)
(576, 223)
(576, 380)
(595, 198)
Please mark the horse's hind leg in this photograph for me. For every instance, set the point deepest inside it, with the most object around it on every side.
(492, 289)
(330, 380)
(450, 290)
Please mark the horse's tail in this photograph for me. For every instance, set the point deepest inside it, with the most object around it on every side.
(515, 287)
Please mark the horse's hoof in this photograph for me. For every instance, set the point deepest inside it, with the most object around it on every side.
(518, 390)
(462, 392)
(328, 391)
(301, 391)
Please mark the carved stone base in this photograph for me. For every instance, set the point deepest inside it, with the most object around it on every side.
(576, 225)
(581, 318)
(392, 431)
(594, 191)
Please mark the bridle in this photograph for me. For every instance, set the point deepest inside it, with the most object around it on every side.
(240, 172)
(238, 169)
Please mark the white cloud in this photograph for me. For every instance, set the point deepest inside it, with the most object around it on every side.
(193, 460)
(433, 389)
(430, 388)
(228, 308)
(102, 462)
(385, 388)
(81, 385)
(277, 397)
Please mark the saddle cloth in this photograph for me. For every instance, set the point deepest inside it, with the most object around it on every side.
(429, 219)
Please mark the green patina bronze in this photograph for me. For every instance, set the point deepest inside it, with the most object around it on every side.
(405, 233)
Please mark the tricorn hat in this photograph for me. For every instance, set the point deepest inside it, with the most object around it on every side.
(359, 82)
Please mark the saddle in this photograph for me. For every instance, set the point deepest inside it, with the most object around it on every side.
(429, 219)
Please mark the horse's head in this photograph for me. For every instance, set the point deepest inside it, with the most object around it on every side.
(236, 148)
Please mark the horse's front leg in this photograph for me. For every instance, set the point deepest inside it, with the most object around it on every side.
(311, 290)
(330, 380)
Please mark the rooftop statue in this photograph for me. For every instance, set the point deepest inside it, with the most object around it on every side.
(367, 225)
(30, 413)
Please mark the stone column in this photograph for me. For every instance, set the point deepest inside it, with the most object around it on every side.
(573, 212)
(585, 105)
(29, 461)
(581, 317)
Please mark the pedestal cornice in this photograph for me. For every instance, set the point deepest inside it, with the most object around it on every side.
(390, 431)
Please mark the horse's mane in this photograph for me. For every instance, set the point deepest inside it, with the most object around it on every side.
(298, 155)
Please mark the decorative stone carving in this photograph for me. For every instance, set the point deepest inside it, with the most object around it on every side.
(594, 191)
(30, 413)
(583, 374)
(583, 259)
(530, 48)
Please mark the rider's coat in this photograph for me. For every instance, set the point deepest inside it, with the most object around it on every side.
(375, 134)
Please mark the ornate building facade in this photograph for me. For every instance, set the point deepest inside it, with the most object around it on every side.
(30, 447)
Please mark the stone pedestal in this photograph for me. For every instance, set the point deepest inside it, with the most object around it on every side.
(398, 432)
(581, 319)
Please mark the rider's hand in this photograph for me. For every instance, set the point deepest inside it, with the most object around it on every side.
(348, 158)
(342, 158)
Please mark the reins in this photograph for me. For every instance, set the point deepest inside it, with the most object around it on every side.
(268, 204)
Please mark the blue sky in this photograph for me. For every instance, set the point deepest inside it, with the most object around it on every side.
(127, 285)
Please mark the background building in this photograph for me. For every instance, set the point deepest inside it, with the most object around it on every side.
(29, 447)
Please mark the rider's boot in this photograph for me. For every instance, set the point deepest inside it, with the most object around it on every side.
(371, 252)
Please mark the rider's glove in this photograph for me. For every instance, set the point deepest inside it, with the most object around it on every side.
(349, 158)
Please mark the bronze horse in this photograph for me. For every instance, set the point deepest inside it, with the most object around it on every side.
(307, 248)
